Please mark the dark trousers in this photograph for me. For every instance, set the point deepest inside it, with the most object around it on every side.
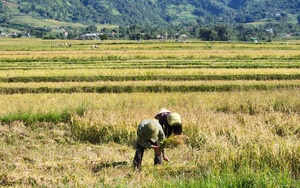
(137, 161)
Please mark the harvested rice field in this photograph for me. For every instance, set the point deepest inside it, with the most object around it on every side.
(69, 115)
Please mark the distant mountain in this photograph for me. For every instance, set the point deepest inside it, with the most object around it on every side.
(151, 12)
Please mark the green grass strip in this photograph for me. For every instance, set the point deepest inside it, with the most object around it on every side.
(214, 66)
(131, 58)
(152, 77)
(247, 178)
(29, 118)
(153, 89)
(28, 64)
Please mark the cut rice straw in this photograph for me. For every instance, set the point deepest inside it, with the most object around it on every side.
(173, 141)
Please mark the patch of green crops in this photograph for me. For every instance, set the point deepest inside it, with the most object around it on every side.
(152, 89)
(152, 77)
(245, 178)
(53, 117)
(114, 62)
(29, 118)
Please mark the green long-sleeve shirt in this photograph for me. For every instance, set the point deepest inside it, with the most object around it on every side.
(142, 139)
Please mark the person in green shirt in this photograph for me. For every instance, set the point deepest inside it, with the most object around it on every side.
(149, 136)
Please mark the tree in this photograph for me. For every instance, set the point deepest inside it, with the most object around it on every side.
(103, 37)
(207, 34)
(222, 32)
(91, 29)
(1, 7)
(70, 35)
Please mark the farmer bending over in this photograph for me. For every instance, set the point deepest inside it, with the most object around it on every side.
(149, 135)
(170, 123)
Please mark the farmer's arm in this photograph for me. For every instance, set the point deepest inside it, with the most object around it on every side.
(145, 143)
(161, 134)
(161, 137)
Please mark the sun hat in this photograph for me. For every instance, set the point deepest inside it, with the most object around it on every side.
(151, 131)
(163, 110)
(174, 119)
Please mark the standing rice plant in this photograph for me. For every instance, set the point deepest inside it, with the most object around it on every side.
(86, 128)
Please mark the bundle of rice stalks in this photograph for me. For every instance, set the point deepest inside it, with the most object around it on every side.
(173, 141)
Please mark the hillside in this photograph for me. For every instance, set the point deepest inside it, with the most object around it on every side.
(208, 20)
(152, 12)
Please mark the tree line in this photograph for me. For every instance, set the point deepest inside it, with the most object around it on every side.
(217, 32)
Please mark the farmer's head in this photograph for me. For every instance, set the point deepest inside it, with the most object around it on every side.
(151, 131)
(161, 112)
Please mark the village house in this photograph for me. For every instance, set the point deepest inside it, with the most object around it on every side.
(88, 36)
(3, 35)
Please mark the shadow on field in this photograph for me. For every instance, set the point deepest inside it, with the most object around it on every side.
(101, 166)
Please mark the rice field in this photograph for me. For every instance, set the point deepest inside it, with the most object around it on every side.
(69, 115)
